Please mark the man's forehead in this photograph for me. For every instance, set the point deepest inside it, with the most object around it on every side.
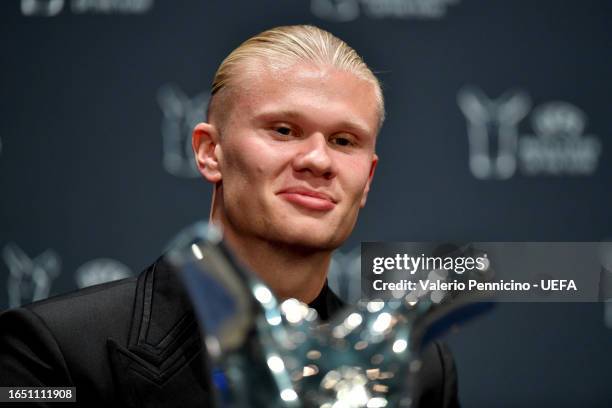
(259, 71)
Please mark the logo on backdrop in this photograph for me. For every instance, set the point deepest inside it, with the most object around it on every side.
(181, 114)
(345, 275)
(492, 130)
(558, 147)
(29, 279)
(46, 8)
(349, 10)
(50, 8)
(99, 271)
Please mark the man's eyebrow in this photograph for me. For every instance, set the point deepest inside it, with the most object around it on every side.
(349, 125)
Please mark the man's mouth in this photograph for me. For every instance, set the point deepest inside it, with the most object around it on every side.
(309, 199)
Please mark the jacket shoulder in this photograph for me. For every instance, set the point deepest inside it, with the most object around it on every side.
(62, 340)
(94, 310)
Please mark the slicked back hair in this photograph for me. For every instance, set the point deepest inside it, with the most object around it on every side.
(284, 46)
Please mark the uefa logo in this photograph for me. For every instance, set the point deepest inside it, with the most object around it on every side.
(558, 145)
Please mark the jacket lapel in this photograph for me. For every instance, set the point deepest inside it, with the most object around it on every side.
(162, 364)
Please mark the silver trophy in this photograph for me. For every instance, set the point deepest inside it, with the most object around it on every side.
(266, 353)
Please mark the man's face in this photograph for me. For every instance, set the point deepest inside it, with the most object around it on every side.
(296, 155)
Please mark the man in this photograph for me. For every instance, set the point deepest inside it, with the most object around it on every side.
(290, 148)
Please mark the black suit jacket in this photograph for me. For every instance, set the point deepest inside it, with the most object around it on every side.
(136, 343)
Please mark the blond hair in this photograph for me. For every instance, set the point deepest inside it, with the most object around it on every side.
(287, 45)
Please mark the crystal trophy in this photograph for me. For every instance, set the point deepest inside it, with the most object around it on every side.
(267, 353)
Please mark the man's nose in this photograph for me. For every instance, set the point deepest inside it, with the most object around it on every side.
(315, 156)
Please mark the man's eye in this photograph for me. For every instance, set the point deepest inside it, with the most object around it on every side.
(283, 130)
(342, 141)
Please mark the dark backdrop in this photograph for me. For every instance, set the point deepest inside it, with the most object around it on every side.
(97, 97)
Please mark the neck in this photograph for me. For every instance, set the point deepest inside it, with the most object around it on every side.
(289, 271)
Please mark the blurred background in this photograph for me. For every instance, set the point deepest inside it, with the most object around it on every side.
(499, 126)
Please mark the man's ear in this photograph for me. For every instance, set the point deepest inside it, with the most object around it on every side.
(364, 197)
(204, 142)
